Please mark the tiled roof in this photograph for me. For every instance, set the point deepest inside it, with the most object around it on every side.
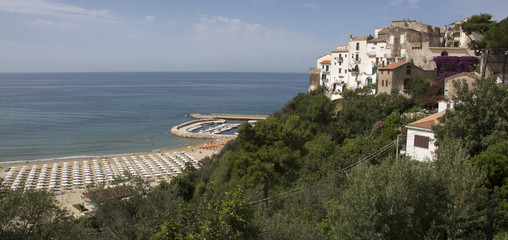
(361, 38)
(394, 65)
(383, 31)
(326, 62)
(427, 122)
(340, 50)
(376, 40)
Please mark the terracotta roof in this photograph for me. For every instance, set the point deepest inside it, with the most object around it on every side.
(427, 122)
(340, 50)
(442, 30)
(394, 65)
(325, 62)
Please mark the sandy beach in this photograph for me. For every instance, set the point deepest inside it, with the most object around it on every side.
(68, 177)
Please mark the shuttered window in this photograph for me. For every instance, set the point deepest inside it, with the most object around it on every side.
(421, 141)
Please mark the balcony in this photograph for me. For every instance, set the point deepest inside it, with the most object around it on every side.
(371, 53)
(341, 59)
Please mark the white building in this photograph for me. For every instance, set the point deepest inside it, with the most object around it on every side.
(323, 64)
(355, 65)
(420, 138)
(339, 70)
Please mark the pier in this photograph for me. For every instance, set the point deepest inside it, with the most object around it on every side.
(186, 129)
(239, 117)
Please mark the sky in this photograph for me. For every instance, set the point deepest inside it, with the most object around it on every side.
(204, 35)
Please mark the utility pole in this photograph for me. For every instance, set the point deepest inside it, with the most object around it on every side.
(397, 148)
(397, 145)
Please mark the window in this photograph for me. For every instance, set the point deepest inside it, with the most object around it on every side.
(374, 70)
(421, 142)
(356, 59)
(383, 83)
(345, 70)
(444, 53)
(357, 46)
(369, 80)
(401, 38)
(340, 70)
(408, 69)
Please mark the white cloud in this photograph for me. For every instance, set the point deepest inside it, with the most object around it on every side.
(310, 5)
(52, 25)
(52, 8)
(235, 44)
(149, 18)
(218, 26)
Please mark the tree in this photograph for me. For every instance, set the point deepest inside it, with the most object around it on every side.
(497, 40)
(480, 24)
(215, 216)
(479, 118)
(117, 208)
(403, 198)
(30, 215)
(466, 199)
(410, 200)
(416, 87)
(494, 163)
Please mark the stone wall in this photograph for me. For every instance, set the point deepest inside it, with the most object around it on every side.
(394, 79)
(314, 75)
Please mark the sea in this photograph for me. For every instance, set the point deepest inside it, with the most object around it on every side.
(71, 115)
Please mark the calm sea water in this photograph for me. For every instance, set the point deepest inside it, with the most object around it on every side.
(54, 115)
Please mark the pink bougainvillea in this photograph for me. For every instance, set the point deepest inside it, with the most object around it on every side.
(453, 64)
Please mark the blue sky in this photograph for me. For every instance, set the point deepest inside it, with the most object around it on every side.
(206, 35)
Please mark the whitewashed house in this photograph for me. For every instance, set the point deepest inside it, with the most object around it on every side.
(323, 64)
(339, 70)
(420, 138)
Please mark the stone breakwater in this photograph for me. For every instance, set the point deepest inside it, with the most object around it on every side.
(237, 117)
(208, 119)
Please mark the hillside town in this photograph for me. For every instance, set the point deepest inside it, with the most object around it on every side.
(393, 55)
